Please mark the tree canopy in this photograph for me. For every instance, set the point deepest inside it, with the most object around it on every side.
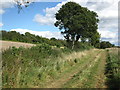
(76, 22)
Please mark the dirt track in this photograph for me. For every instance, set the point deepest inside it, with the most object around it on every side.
(86, 74)
(7, 44)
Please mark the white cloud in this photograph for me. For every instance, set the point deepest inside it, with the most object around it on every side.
(107, 34)
(46, 34)
(111, 11)
(44, 20)
(104, 8)
(107, 11)
(1, 24)
(6, 4)
(49, 18)
(10, 3)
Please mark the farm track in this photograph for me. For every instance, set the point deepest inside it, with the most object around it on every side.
(94, 78)
(78, 80)
(72, 79)
(87, 73)
(7, 44)
(100, 78)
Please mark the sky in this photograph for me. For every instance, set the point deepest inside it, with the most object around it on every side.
(39, 18)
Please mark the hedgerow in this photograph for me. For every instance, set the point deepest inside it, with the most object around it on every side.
(113, 69)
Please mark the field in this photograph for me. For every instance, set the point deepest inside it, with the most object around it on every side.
(62, 44)
(7, 44)
(43, 66)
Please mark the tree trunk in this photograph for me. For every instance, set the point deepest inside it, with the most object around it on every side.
(73, 44)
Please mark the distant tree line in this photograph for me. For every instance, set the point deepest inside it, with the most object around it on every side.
(106, 44)
(30, 38)
(35, 39)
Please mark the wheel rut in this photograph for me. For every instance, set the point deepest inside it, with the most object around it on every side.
(70, 75)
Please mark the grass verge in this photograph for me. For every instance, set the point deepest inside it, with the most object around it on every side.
(113, 68)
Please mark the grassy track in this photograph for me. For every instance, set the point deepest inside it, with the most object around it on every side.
(100, 76)
(86, 77)
(68, 74)
(83, 73)
(76, 70)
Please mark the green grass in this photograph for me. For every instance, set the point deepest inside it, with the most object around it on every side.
(32, 67)
(90, 76)
(113, 68)
(21, 66)
(85, 77)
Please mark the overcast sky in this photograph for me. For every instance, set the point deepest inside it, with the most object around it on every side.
(39, 18)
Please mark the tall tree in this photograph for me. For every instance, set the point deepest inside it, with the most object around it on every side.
(76, 22)
(94, 39)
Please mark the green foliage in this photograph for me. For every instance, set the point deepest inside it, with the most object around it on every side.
(113, 69)
(30, 38)
(25, 67)
(105, 44)
(21, 65)
(77, 22)
(95, 40)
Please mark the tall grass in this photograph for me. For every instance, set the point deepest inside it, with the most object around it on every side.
(22, 66)
(113, 68)
(32, 67)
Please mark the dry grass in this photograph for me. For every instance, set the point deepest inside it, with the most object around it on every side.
(114, 51)
(7, 44)
(76, 68)
(75, 55)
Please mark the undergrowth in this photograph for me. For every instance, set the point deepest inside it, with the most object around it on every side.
(30, 67)
(113, 69)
